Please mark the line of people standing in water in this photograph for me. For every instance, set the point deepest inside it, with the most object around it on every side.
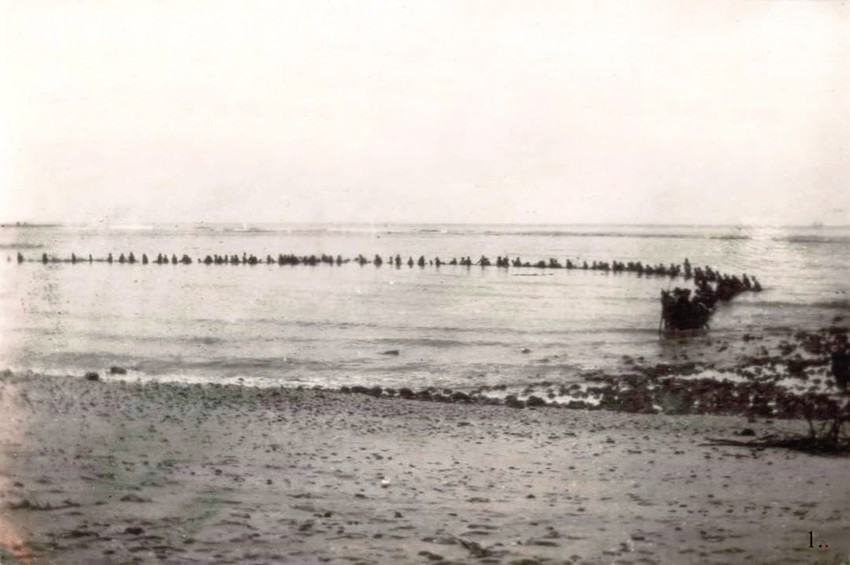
(682, 309)
(672, 270)
(727, 286)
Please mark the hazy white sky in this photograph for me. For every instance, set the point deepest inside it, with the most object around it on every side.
(430, 111)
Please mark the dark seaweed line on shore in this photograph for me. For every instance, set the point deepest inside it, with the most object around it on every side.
(672, 389)
(758, 391)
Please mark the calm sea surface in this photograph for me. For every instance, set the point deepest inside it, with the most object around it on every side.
(453, 326)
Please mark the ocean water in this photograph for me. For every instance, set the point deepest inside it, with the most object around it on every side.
(456, 327)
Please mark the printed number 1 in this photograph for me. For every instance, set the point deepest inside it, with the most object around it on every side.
(811, 539)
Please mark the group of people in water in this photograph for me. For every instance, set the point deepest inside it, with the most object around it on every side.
(840, 361)
(682, 309)
(129, 259)
(726, 284)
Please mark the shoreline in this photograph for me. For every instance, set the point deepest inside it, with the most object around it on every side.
(102, 472)
(759, 374)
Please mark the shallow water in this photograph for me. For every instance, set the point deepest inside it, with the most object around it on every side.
(453, 326)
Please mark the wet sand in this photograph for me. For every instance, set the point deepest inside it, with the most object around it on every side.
(117, 472)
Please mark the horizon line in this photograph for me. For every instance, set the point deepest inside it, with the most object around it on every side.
(108, 225)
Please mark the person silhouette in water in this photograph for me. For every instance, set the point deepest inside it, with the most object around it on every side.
(840, 359)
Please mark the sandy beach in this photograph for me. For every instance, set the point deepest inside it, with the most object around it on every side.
(117, 472)
(379, 283)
